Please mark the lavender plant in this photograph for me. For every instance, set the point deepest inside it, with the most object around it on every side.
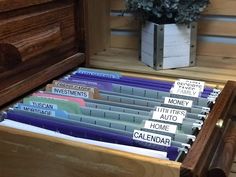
(167, 11)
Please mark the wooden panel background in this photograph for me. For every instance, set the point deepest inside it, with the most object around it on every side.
(6, 5)
(98, 26)
(216, 56)
(217, 29)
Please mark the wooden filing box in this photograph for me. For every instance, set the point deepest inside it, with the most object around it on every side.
(44, 39)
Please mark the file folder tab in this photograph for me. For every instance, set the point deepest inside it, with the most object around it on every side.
(158, 126)
(152, 138)
(178, 102)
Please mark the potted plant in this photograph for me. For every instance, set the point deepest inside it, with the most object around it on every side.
(169, 30)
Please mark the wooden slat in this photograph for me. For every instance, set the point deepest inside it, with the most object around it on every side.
(203, 48)
(217, 7)
(125, 42)
(217, 28)
(124, 23)
(99, 25)
(127, 60)
(34, 79)
(221, 7)
(33, 21)
(117, 5)
(205, 27)
(216, 62)
(206, 69)
(216, 49)
(6, 5)
(43, 42)
(209, 138)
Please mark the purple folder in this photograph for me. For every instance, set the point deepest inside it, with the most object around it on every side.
(165, 88)
(140, 80)
(82, 130)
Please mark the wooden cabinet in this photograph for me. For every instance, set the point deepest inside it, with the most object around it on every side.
(44, 39)
(35, 36)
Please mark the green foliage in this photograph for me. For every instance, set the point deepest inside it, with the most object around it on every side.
(167, 11)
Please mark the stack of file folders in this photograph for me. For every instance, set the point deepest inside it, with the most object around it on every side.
(107, 106)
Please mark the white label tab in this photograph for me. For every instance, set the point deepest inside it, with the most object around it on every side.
(158, 126)
(152, 138)
(190, 92)
(171, 111)
(43, 105)
(178, 102)
(191, 83)
(169, 114)
(38, 111)
(168, 117)
(70, 92)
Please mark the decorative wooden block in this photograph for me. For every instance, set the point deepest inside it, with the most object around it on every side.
(168, 46)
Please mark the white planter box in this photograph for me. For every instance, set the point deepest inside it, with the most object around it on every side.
(168, 46)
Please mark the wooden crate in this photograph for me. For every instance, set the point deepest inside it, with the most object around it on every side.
(168, 46)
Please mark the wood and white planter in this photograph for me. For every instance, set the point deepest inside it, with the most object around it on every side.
(169, 45)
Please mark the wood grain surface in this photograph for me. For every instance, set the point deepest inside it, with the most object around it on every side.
(200, 155)
(34, 155)
(224, 155)
(6, 5)
(36, 77)
(208, 68)
(37, 43)
(216, 30)
(39, 31)
(124, 23)
(98, 28)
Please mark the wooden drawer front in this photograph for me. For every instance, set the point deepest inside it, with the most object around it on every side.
(35, 33)
(33, 39)
(7, 5)
(211, 153)
(34, 155)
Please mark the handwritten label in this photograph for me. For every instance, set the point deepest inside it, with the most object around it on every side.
(37, 110)
(152, 138)
(178, 102)
(191, 83)
(172, 111)
(43, 105)
(72, 86)
(70, 92)
(99, 73)
(98, 84)
(191, 92)
(152, 125)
